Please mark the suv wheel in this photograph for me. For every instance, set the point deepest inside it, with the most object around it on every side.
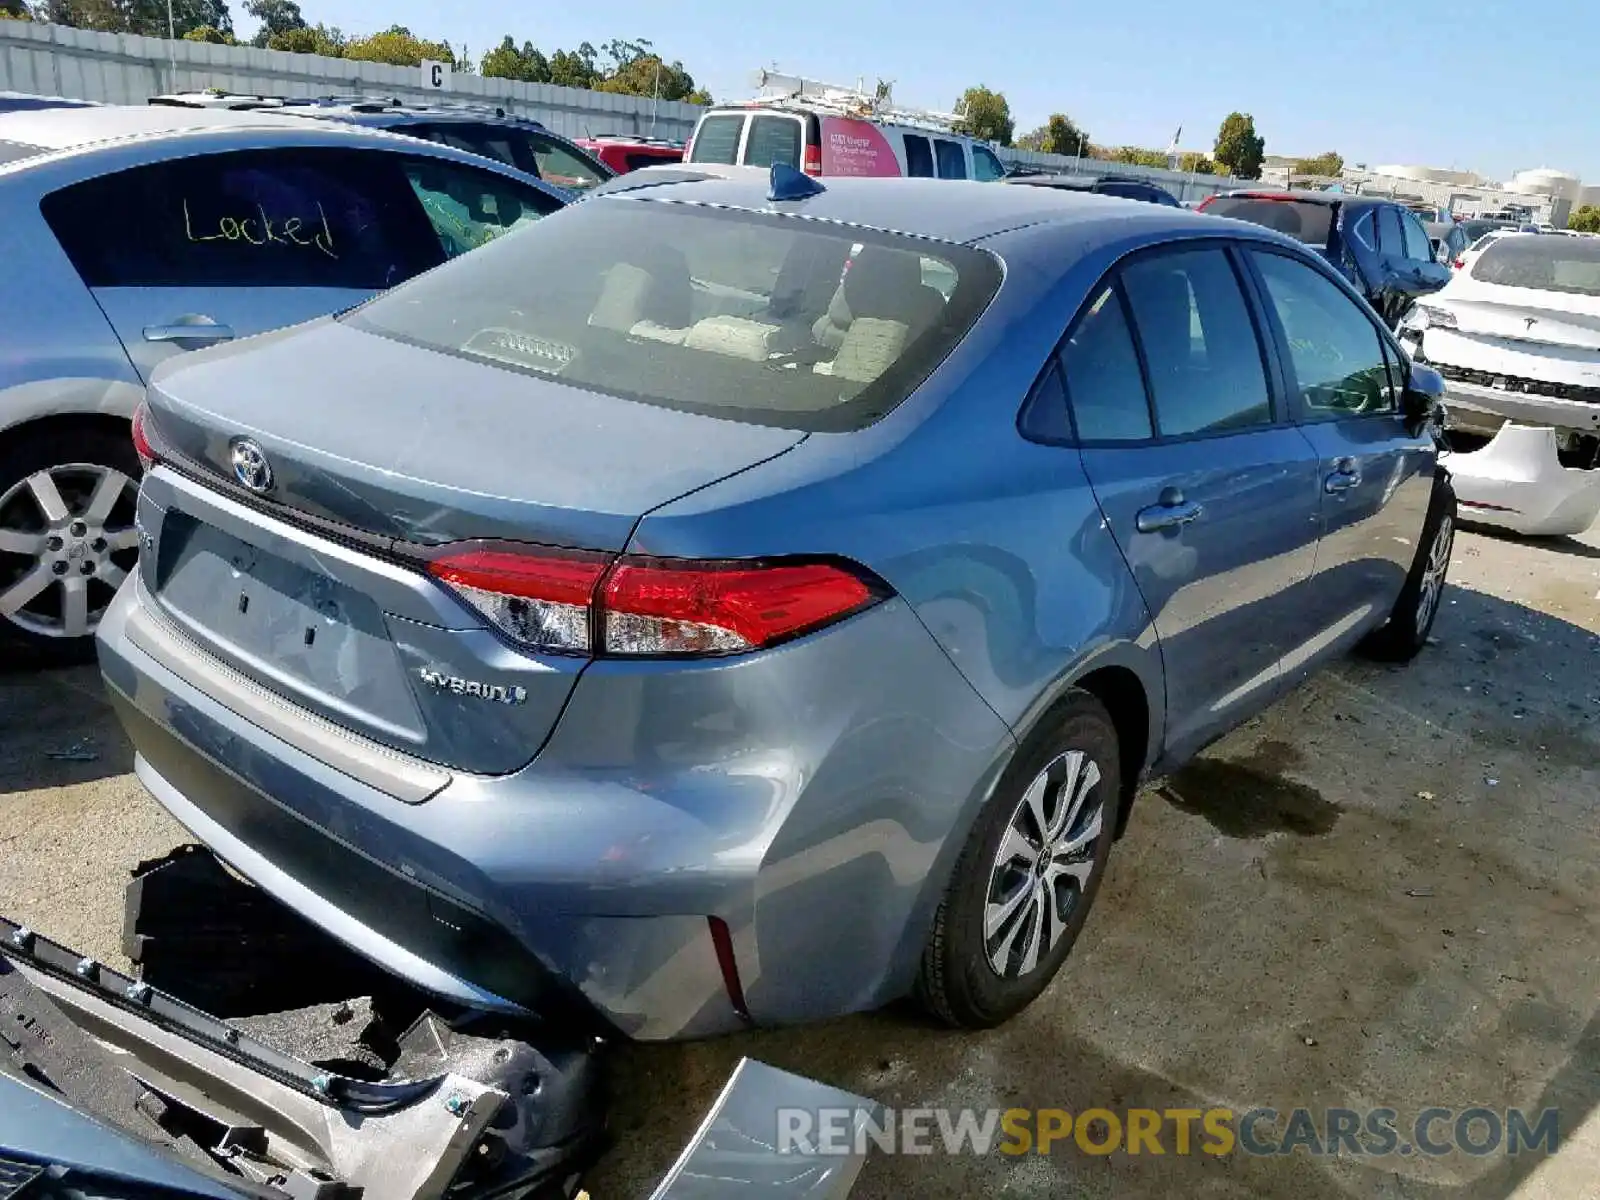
(1028, 873)
(67, 537)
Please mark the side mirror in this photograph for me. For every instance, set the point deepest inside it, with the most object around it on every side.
(1423, 398)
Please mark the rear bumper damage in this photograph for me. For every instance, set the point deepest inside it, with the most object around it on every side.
(106, 1076)
(676, 862)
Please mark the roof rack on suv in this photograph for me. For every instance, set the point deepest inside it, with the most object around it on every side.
(354, 101)
(783, 91)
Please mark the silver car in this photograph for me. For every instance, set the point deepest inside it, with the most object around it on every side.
(132, 234)
(719, 605)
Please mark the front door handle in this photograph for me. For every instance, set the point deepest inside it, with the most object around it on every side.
(1167, 515)
(1346, 475)
(181, 331)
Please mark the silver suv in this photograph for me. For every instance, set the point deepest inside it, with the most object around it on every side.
(135, 233)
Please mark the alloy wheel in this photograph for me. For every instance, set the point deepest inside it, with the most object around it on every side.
(67, 540)
(1433, 573)
(1043, 865)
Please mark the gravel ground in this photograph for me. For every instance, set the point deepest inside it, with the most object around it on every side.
(1383, 891)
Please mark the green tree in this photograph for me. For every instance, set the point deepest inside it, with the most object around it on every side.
(647, 75)
(1195, 163)
(1239, 148)
(310, 39)
(15, 10)
(1059, 135)
(575, 68)
(277, 18)
(1139, 157)
(205, 33)
(1585, 220)
(1327, 164)
(399, 47)
(985, 115)
(147, 17)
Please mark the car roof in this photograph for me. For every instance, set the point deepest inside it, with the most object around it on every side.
(1079, 182)
(949, 210)
(378, 113)
(65, 128)
(1306, 197)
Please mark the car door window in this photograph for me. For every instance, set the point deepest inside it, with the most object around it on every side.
(1365, 231)
(919, 158)
(1418, 248)
(952, 159)
(1199, 343)
(773, 140)
(468, 207)
(717, 140)
(560, 164)
(322, 218)
(986, 168)
(1335, 351)
(1104, 385)
(1391, 238)
(490, 141)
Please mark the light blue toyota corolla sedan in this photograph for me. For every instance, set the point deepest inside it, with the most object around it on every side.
(719, 605)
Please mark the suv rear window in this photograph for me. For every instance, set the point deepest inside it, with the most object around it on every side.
(754, 317)
(1303, 220)
(717, 139)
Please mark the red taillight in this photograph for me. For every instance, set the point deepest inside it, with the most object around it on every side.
(813, 161)
(668, 607)
(141, 436)
(578, 602)
(1459, 263)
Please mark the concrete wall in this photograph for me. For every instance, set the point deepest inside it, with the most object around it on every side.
(56, 60)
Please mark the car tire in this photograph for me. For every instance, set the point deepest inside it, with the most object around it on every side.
(1401, 638)
(77, 551)
(977, 970)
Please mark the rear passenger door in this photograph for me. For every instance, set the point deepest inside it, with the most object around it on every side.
(1212, 496)
(1345, 378)
(195, 251)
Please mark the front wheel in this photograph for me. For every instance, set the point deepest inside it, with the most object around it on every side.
(67, 536)
(1029, 872)
(1402, 638)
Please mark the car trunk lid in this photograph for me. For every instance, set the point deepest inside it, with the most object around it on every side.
(377, 450)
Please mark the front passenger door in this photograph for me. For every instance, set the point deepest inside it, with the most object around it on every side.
(1345, 377)
(1211, 497)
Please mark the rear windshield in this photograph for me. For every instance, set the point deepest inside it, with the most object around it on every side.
(1549, 264)
(1309, 223)
(761, 318)
(717, 139)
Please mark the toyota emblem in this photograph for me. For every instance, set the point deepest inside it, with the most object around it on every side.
(250, 465)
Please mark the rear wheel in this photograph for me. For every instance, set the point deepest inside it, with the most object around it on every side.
(1406, 632)
(1028, 874)
(67, 537)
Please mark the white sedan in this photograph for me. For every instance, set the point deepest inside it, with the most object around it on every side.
(1516, 335)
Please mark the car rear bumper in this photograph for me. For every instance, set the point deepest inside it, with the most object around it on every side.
(1477, 409)
(806, 797)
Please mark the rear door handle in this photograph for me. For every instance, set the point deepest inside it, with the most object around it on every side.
(199, 332)
(1167, 516)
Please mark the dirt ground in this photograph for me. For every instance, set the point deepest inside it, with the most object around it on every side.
(1385, 891)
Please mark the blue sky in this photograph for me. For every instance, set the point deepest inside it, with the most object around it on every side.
(1471, 84)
